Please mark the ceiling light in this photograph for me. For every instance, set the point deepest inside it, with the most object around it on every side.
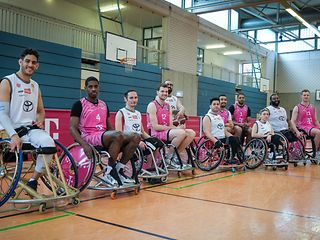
(214, 46)
(110, 8)
(232, 53)
(304, 22)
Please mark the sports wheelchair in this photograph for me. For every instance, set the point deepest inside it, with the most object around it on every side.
(91, 171)
(15, 169)
(259, 151)
(208, 157)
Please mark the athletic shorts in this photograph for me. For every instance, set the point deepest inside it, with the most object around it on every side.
(307, 129)
(162, 135)
(95, 139)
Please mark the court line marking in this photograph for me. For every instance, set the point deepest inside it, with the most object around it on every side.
(125, 227)
(286, 175)
(237, 205)
(202, 182)
(35, 222)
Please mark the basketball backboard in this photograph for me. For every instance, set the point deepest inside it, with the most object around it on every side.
(118, 48)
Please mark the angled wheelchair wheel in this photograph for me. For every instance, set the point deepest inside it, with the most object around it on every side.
(10, 171)
(255, 153)
(86, 167)
(296, 150)
(68, 166)
(207, 157)
(283, 150)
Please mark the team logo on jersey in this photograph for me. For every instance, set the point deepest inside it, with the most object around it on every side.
(134, 116)
(18, 85)
(282, 118)
(27, 90)
(136, 127)
(98, 117)
(220, 126)
(27, 106)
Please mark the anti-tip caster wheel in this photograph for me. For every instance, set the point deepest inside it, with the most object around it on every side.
(179, 174)
(295, 164)
(113, 195)
(286, 168)
(75, 201)
(42, 207)
(193, 171)
(233, 170)
(274, 168)
(163, 179)
(304, 163)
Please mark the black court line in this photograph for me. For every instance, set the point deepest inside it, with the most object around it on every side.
(125, 227)
(238, 205)
(17, 214)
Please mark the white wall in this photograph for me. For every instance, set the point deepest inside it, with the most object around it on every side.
(297, 71)
(180, 44)
(221, 61)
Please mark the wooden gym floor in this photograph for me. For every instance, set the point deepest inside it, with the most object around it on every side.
(260, 204)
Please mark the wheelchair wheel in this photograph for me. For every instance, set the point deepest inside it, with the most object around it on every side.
(68, 166)
(255, 153)
(296, 151)
(10, 171)
(207, 157)
(283, 150)
(85, 167)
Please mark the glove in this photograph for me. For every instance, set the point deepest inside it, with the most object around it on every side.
(218, 144)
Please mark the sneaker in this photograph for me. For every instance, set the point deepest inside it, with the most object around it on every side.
(174, 162)
(109, 180)
(32, 184)
(124, 178)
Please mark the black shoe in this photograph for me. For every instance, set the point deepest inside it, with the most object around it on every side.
(33, 184)
(114, 174)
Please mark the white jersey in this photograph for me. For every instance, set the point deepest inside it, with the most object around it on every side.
(217, 125)
(23, 101)
(278, 118)
(263, 128)
(132, 120)
(173, 102)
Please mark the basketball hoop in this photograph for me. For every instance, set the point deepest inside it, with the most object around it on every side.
(128, 64)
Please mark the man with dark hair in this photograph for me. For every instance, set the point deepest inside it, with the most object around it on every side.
(241, 118)
(304, 117)
(160, 122)
(214, 129)
(21, 107)
(90, 124)
(278, 118)
(225, 114)
(178, 110)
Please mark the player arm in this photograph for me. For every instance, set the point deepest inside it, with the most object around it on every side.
(5, 106)
(119, 121)
(144, 133)
(294, 119)
(254, 132)
(180, 107)
(207, 129)
(40, 112)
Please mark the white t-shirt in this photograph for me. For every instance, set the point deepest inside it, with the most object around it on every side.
(23, 102)
(132, 120)
(263, 128)
(278, 118)
(217, 125)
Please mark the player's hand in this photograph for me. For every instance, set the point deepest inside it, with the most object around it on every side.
(142, 145)
(218, 144)
(87, 150)
(38, 124)
(15, 143)
(299, 134)
(269, 138)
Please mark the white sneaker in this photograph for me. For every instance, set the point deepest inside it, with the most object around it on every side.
(174, 162)
(126, 180)
(109, 180)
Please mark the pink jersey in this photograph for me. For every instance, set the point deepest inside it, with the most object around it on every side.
(306, 116)
(163, 116)
(225, 115)
(240, 113)
(93, 117)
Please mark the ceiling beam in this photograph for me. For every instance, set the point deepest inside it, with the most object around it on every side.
(226, 5)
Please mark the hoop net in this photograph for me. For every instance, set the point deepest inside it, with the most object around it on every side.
(128, 64)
